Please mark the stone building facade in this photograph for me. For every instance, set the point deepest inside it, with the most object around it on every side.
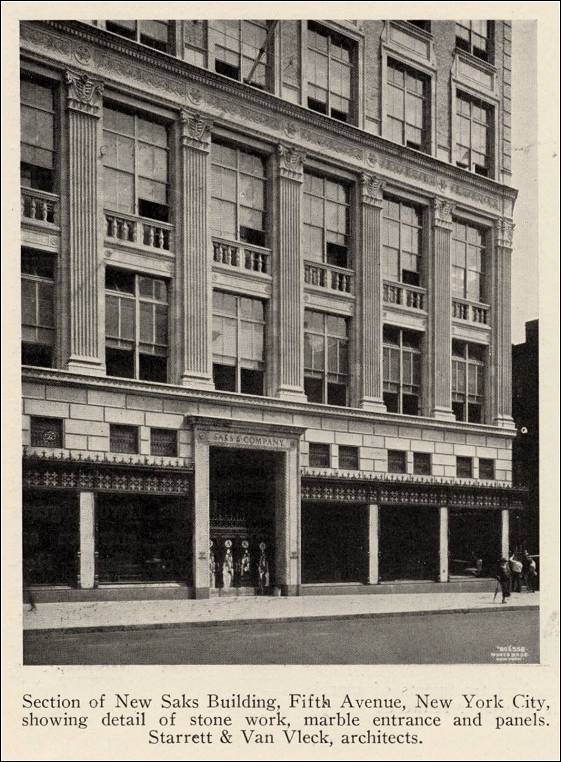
(266, 305)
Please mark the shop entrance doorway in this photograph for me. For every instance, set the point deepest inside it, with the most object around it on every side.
(243, 494)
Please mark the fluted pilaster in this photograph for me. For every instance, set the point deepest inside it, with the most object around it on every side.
(440, 321)
(84, 100)
(288, 275)
(501, 392)
(369, 277)
(194, 286)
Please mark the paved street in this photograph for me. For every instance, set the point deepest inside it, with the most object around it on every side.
(470, 637)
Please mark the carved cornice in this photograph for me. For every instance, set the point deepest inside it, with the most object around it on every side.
(192, 397)
(291, 162)
(181, 82)
(372, 188)
(443, 211)
(84, 94)
(195, 130)
(504, 231)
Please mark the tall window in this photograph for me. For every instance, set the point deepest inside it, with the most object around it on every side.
(326, 221)
(135, 164)
(408, 101)
(37, 308)
(238, 209)
(238, 333)
(475, 135)
(468, 262)
(468, 376)
(155, 34)
(195, 41)
(236, 48)
(326, 362)
(37, 135)
(136, 325)
(402, 370)
(330, 73)
(475, 38)
(402, 241)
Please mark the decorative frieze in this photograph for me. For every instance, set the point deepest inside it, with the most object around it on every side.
(104, 478)
(411, 494)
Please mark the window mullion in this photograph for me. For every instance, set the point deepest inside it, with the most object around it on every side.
(238, 341)
(325, 359)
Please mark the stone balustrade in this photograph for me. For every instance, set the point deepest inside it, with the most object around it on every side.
(404, 296)
(329, 277)
(39, 206)
(139, 231)
(242, 256)
(473, 313)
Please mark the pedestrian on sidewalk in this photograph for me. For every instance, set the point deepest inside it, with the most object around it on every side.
(515, 573)
(503, 578)
(530, 572)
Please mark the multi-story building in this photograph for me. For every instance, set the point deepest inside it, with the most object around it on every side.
(266, 304)
(526, 445)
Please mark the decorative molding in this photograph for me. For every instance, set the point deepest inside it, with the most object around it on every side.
(82, 474)
(195, 130)
(504, 231)
(407, 493)
(291, 162)
(84, 93)
(214, 397)
(443, 211)
(372, 187)
(180, 80)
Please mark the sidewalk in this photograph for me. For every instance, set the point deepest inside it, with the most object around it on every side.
(94, 615)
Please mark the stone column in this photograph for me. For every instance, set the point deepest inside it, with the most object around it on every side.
(505, 533)
(369, 296)
(87, 540)
(85, 225)
(373, 544)
(194, 261)
(201, 516)
(287, 524)
(501, 357)
(443, 545)
(288, 278)
(440, 321)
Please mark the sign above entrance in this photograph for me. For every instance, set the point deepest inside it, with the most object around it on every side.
(245, 440)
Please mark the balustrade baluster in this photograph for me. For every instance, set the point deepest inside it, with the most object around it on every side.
(33, 208)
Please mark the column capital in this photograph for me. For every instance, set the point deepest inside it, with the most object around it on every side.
(504, 230)
(371, 189)
(291, 162)
(83, 93)
(195, 130)
(443, 211)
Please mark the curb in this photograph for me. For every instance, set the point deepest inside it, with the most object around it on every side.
(271, 620)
